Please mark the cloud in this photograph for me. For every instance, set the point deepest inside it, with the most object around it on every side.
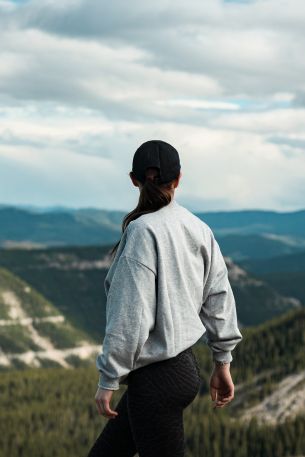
(88, 81)
(263, 122)
(294, 143)
(254, 47)
(40, 67)
(221, 167)
(119, 56)
(200, 104)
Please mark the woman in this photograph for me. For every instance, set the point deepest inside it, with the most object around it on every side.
(166, 287)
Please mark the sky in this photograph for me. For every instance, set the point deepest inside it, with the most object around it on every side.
(84, 83)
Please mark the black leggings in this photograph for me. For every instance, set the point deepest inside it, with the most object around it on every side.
(150, 412)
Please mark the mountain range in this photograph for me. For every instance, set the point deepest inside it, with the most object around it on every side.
(53, 262)
(244, 234)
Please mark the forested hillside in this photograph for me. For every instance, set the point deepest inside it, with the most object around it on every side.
(73, 279)
(285, 273)
(54, 412)
(52, 317)
(33, 332)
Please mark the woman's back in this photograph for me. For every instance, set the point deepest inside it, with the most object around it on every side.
(157, 286)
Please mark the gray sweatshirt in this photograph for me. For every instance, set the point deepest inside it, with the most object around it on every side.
(167, 286)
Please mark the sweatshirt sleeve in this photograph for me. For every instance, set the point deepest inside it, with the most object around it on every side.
(218, 312)
(130, 315)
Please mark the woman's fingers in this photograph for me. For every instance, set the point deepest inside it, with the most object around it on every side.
(222, 401)
(104, 409)
(219, 404)
(102, 399)
(108, 412)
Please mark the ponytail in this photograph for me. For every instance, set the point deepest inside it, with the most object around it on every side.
(153, 196)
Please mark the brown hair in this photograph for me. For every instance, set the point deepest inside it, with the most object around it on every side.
(153, 196)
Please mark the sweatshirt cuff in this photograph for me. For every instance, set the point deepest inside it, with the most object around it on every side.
(108, 383)
(224, 356)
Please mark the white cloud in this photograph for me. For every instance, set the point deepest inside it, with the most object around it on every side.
(271, 121)
(238, 168)
(83, 83)
(200, 104)
(91, 74)
(246, 47)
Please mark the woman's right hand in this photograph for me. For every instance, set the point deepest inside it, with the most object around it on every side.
(102, 399)
(221, 386)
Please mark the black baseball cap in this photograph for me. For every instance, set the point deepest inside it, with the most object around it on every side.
(156, 153)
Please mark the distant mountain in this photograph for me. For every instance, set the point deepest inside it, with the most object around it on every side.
(82, 227)
(289, 263)
(256, 222)
(73, 279)
(33, 332)
(242, 234)
(256, 300)
(285, 273)
(265, 246)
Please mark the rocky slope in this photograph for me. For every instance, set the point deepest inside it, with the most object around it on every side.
(33, 332)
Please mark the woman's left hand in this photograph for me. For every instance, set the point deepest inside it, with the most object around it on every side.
(103, 398)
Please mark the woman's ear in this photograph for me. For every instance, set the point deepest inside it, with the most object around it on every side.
(133, 179)
(177, 180)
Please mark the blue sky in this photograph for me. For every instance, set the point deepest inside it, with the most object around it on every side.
(84, 83)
